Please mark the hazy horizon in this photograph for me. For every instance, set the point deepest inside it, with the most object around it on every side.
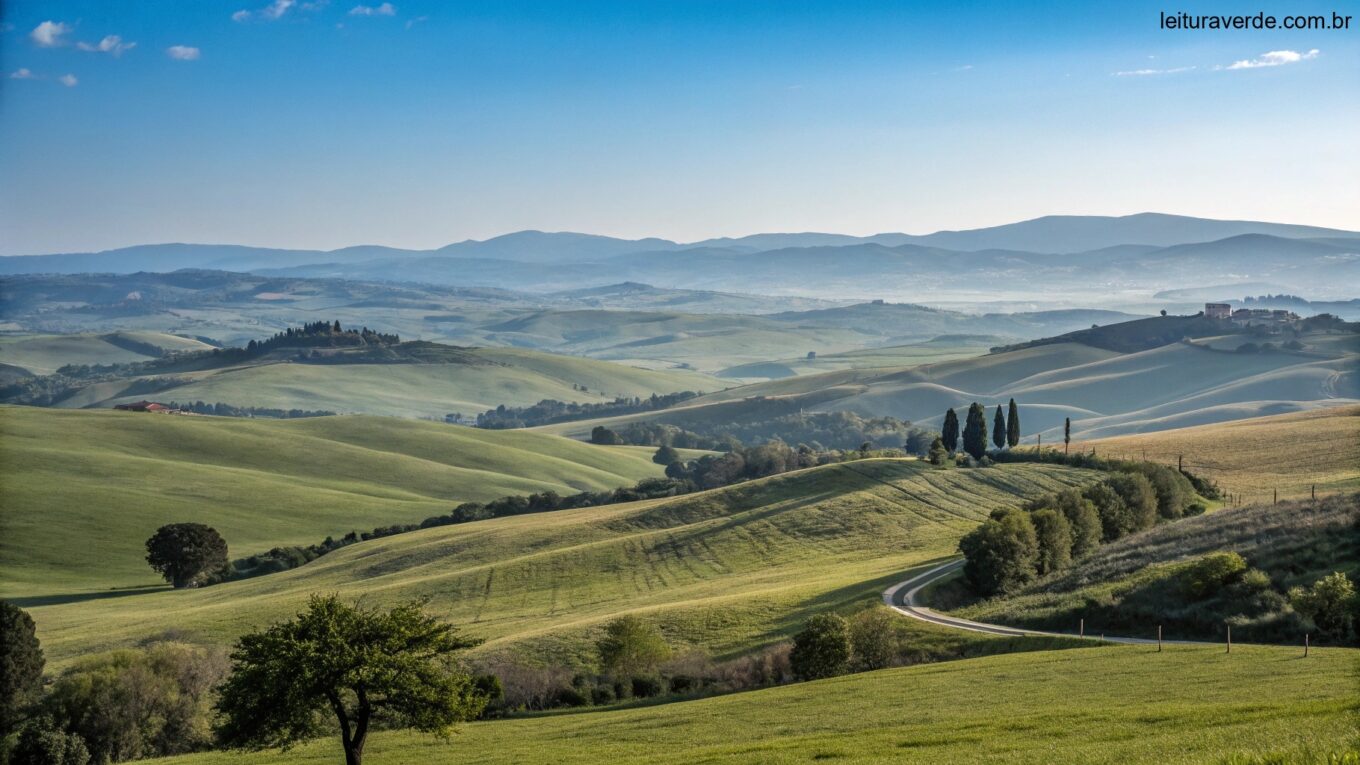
(415, 124)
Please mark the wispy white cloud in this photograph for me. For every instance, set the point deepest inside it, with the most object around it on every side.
(1153, 72)
(417, 20)
(111, 44)
(22, 73)
(69, 80)
(386, 9)
(241, 16)
(1274, 58)
(182, 52)
(277, 9)
(49, 34)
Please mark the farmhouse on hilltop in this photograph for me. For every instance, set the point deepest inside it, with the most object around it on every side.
(145, 406)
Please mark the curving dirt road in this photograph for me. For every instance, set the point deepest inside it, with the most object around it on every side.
(901, 598)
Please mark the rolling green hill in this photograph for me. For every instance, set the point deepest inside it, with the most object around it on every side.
(728, 570)
(82, 491)
(1104, 393)
(1116, 705)
(425, 380)
(44, 354)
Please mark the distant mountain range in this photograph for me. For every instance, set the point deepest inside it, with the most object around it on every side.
(1136, 252)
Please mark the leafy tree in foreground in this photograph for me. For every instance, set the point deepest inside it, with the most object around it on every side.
(949, 433)
(999, 429)
(352, 663)
(21, 665)
(1013, 424)
(183, 552)
(975, 431)
(631, 646)
(874, 638)
(1082, 520)
(822, 649)
(1001, 554)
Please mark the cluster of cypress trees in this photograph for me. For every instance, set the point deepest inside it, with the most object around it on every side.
(1005, 429)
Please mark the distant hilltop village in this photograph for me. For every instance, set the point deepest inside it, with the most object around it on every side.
(1249, 316)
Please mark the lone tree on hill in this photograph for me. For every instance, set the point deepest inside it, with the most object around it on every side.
(183, 552)
(949, 433)
(999, 428)
(21, 665)
(357, 664)
(1067, 433)
(1013, 425)
(822, 649)
(631, 647)
(975, 431)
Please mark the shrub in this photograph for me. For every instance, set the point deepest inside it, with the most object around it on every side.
(666, 455)
(571, 697)
(41, 742)
(938, 454)
(1054, 535)
(684, 684)
(873, 641)
(1195, 508)
(1172, 489)
(822, 649)
(1001, 554)
(1211, 573)
(1329, 603)
(1255, 580)
(602, 694)
(646, 686)
(631, 646)
(1126, 503)
(131, 704)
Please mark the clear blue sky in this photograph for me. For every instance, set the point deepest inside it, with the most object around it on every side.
(420, 123)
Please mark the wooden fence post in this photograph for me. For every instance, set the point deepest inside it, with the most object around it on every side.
(1229, 639)
(1305, 645)
(1159, 638)
(1081, 630)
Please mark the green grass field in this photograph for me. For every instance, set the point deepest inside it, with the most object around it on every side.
(1116, 705)
(727, 570)
(45, 354)
(82, 490)
(514, 377)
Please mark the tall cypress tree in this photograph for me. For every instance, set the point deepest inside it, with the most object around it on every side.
(1013, 425)
(949, 434)
(999, 428)
(975, 431)
(1067, 434)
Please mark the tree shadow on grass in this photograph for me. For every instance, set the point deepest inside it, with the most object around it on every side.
(81, 597)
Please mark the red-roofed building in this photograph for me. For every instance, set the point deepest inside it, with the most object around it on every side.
(144, 406)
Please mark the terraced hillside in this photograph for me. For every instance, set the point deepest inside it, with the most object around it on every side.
(1256, 457)
(1116, 705)
(729, 569)
(82, 491)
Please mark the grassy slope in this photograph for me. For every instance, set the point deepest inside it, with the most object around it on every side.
(83, 490)
(44, 354)
(729, 570)
(1254, 457)
(513, 377)
(1115, 705)
(1136, 579)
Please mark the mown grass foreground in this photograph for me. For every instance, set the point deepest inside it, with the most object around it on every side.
(1113, 704)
